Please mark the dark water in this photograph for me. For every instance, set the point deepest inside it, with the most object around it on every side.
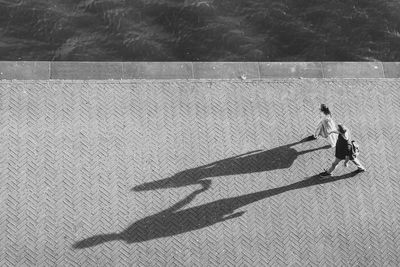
(200, 30)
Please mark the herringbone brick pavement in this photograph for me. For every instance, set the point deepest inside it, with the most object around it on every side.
(196, 173)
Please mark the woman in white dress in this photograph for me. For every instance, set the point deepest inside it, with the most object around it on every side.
(325, 126)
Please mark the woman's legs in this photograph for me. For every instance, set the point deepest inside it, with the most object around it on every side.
(332, 138)
(317, 131)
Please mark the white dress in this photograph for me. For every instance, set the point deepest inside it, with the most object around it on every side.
(325, 126)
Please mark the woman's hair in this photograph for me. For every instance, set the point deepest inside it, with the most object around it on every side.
(325, 109)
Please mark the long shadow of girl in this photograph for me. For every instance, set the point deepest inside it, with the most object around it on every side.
(173, 222)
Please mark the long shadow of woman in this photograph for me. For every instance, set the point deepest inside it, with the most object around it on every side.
(173, 221)
(257, 161)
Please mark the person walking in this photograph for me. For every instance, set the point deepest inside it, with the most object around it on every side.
(343, 152)
(325, 126)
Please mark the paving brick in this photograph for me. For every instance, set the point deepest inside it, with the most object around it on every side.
(196, 173)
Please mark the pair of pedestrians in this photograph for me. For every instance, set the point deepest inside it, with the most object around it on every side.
(338, 137)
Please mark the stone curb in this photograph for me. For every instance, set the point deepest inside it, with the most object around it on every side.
(71, 70)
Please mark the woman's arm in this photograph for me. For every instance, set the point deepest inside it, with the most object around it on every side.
(334, 131)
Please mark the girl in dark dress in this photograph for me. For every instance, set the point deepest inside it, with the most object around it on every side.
(343, 152)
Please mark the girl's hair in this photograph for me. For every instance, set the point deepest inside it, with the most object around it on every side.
(325, 109)
(342, 128)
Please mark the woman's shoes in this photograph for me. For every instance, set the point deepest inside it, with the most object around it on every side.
(325, 174)
(311, 138)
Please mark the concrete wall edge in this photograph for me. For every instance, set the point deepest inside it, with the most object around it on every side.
(83, 70)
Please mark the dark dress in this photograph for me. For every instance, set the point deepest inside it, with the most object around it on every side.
(343, 148)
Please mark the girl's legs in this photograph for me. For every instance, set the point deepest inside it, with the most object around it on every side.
(334, 164)
(358, 164)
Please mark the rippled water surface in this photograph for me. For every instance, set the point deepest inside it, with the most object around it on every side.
(200, 30)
